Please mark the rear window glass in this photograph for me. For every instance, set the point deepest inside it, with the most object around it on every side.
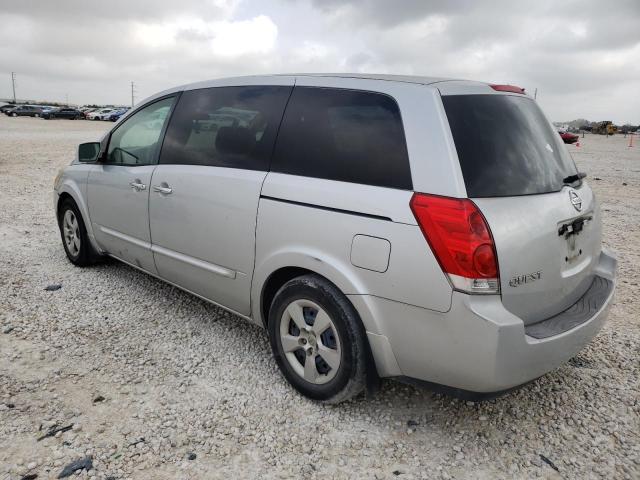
(506, 146)
(346, 135)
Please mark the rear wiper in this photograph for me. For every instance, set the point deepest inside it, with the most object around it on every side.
(571, 179)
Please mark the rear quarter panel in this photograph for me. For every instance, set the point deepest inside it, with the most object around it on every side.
(320, 239)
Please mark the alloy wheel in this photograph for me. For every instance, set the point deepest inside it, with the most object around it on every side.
(310, 341)
(71, 232)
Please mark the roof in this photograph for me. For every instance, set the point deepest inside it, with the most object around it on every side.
(276, 78)
(375, 76)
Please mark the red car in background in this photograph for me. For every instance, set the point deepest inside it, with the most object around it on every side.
(568, 137)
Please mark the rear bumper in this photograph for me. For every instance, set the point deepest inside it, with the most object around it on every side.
(478, 346)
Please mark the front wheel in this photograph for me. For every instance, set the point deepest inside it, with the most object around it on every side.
(318, 340)
(37, 115)
(74, 235)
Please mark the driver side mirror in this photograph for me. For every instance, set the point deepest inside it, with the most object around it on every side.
(88, 152)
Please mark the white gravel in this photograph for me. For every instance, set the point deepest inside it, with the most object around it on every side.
(182, 379)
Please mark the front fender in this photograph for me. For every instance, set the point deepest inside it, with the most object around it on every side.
(75, 185)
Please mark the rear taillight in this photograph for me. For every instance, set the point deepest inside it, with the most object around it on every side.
(460, 239)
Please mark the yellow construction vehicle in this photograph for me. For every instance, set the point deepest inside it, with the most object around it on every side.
(605, 128)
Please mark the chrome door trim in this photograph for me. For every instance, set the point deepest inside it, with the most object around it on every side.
(126, 238)
(183, 289)
(210, 267)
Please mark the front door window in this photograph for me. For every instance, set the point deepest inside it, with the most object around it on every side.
(135, 142)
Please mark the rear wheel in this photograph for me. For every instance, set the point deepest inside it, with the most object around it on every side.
(74, 235)
(14, 114)
(36, 115)
(318, 340)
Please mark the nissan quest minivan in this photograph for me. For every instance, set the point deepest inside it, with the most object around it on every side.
(431, 230)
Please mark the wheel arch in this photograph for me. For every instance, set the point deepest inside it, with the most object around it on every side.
(61, 199)
(69, 189)
(273, 283)
(279, 267)
(277, 277)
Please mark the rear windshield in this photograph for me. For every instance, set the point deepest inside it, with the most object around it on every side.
(506, 146)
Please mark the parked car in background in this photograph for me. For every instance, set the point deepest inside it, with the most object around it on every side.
(64, 112)
(99, 114)
(466, 257)
(46, 110)
(568, 137)
(25, 111)
(7, 107)
(115, 115)
(87, 110)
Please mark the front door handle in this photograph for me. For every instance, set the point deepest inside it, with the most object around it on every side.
(162, 189)
(137, 185)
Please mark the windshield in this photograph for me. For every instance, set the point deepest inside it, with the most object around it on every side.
(506, 146)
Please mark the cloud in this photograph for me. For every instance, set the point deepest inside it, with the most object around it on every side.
(220, 38)
(232, 39)
(581, 56)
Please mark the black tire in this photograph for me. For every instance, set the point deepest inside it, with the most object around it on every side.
(86, 255)
(350, 379)
(14, 114)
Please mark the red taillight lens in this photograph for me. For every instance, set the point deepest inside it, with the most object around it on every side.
(484, 261)
(460, 239)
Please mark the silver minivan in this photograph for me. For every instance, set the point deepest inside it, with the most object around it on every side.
(431, 230)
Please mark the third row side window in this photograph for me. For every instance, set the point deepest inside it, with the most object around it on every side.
(346, 135)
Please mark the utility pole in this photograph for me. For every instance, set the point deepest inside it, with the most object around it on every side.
(13, 84)
(535, 94)
(133, 90)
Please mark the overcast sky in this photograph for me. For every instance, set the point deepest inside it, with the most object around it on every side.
(582, 56)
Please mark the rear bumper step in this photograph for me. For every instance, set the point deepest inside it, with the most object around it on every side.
(578, 313)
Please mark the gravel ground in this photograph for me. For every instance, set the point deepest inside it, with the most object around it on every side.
(158, 384)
